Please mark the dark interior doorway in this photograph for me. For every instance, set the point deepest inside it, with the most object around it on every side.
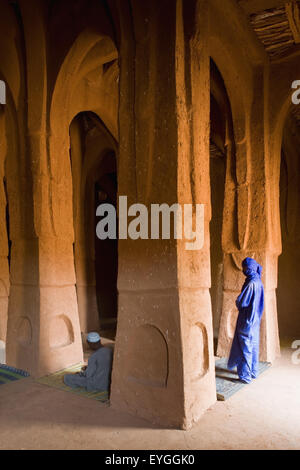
(106, 256)
(93, 153)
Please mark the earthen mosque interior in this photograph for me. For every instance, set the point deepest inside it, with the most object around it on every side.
(169, 101)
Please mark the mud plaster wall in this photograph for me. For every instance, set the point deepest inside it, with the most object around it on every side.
(283, 189)
(217, 178)
(288, 293)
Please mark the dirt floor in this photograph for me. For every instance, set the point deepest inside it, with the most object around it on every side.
(263, 415)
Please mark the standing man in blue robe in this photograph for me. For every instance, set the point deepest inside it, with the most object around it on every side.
(244, 352)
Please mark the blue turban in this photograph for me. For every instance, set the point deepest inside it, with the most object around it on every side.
(251, 267)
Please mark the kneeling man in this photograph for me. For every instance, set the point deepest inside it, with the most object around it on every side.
(96, 376)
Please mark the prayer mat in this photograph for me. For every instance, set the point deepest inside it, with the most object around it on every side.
(227, 381)
(56, 380)
(10, 374)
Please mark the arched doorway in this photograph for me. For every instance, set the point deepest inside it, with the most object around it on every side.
(221, 150)
(217, 182)
(94, 173)
(288, 293)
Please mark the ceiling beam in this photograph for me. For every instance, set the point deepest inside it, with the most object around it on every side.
(256, 6)
(293, 15)
(292, 52)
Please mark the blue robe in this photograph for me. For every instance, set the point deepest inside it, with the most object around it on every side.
(244, 352)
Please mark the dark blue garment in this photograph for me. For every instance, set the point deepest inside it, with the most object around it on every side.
(244, 352)
(97, 374)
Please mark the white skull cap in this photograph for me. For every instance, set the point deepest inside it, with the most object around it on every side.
(93, 337)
